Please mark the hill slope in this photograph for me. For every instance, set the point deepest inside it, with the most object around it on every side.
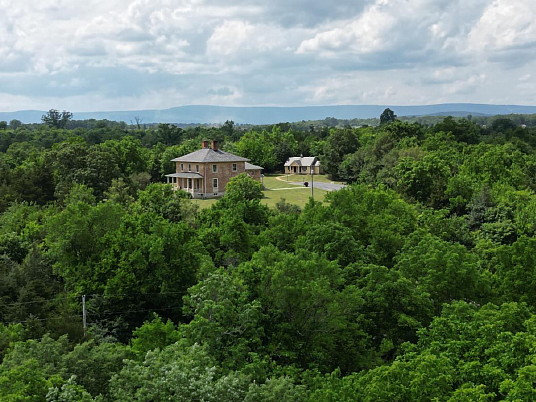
(269, 114)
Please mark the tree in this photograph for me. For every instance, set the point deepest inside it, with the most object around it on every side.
(14, 124)
(153, 334)
(243, 188)
(56, 119)
(225, 321)
(340, 142)
(229, 131)
(168, 134)
(312, 321)
(387, 116)
(3, 125)
(444, 270)
(177, 373)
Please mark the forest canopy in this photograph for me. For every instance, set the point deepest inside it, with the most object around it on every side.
(413, 283)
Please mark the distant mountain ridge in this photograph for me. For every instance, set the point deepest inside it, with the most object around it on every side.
(272, 114)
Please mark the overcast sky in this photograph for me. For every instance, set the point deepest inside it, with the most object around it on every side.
(95, 55)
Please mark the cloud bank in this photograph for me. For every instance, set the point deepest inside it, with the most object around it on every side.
(103, 55)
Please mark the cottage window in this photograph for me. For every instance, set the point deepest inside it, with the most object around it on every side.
(182, 166)
(234, 167)
(215, 183)
(214, 168)
(197, 168)
(189, 167)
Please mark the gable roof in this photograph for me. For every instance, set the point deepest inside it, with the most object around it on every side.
(301, 160)
(251, 166)
(209, 155)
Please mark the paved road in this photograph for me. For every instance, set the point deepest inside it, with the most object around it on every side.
(323, 186)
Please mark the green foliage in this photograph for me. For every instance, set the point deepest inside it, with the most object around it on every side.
(339, 143)
(177, 372)
(243, 188)
(25, 382)
(259, 148)
(379, 219)
(56, 119)
(387, 116)
(381, 292)
(314, 320)
(443, 270)
(68, 392)
(9, 334)
(153, 334)
(515, 275)
(92, 364)
(166, 202)
(224, 320)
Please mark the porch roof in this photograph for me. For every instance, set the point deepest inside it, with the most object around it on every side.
(186, 175)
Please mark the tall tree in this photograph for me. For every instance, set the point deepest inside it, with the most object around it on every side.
(56, 119)
(387, 116)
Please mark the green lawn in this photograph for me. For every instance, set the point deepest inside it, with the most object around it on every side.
(298, 196)
(275, 189)
(307, 177)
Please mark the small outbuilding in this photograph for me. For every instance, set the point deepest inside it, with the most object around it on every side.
(303, 165)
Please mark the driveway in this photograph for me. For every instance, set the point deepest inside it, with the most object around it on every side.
(323, 186)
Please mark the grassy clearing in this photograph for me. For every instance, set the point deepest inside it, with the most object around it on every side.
(321, 178)
(297, 196)
(278, 181)
(275, 189)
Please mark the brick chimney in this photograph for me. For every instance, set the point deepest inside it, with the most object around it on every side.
(204, 144)
(214, 145)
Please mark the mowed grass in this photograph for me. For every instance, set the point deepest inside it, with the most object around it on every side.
(298, 196)
(276, 188)
(322, 178)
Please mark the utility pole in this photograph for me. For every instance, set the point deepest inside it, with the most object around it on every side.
(312, 183)
(84, 314)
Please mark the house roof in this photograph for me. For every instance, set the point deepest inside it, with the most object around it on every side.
(186, 175)
(301, 160)
(209, 155)
(250, 166)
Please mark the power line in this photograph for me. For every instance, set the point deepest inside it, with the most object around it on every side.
(75, 296)
(98, 314)
(137, 311)
(44, 319)
(41, 300)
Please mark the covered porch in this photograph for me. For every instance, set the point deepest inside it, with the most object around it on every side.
(191, 182)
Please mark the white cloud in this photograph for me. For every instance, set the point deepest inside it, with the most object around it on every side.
(163, 53)
(505, 32)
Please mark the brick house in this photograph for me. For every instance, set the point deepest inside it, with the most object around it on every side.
(303, 165)
(205, 172)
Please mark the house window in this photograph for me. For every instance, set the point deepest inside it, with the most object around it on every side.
(214, 168)
(197, 168)
(215, 183)
(189, 167)
(182, 166)
(234, 167)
